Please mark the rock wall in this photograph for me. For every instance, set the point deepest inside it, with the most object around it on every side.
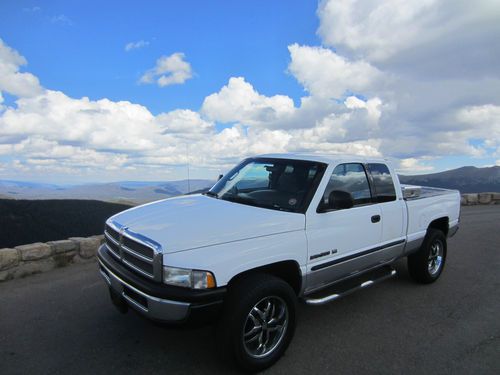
(480, 198)
(41, 257)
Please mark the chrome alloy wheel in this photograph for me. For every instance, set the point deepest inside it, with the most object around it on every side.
(265, 326)
(435, 259)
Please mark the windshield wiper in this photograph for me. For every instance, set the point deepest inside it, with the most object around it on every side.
(212, 194)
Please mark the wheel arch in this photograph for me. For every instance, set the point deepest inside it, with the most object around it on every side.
(287, 270)
(441, 224)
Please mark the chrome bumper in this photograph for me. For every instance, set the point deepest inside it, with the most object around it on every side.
(152, 307)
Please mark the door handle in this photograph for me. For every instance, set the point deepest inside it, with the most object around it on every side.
(375, 218)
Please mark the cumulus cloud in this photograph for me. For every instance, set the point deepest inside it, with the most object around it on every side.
(136, 45)
(169, 70)
(238, 101)
(376, 29)
(324, 73)
(413, 165)
(102, 124)
(184, 122)
(432, 57)
(481, 116)
(425, 38)
(481, 122)
(12, 80)
(388, 79)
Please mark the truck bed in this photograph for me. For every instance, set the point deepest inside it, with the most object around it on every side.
(425, 204)
(412, 192)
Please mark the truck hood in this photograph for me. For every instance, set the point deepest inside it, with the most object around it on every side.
(194, 221)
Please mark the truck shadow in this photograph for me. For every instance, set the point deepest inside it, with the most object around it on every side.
(150, 347)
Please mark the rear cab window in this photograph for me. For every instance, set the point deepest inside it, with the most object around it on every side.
(382, 183)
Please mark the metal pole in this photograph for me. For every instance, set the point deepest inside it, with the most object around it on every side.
(187, 157)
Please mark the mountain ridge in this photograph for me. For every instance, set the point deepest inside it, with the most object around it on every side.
(467, 179)
(132, 192)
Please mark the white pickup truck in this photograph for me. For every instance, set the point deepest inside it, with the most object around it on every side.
(274, 230)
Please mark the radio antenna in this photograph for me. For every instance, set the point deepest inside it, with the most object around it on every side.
(187, 159)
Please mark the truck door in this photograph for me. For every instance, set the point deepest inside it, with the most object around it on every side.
(393, 209)
(340, 240)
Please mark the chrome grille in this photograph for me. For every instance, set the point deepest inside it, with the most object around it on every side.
(135, 253)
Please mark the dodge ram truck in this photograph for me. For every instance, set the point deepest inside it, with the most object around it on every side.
(275, 230)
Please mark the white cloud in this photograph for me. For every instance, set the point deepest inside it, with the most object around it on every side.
(324, 73)
(371, 106)
(425, 38)
(433, 57)
(184, 122)
(239, 102)
(136, 45)
(481, 116)
(32, 9)
(481, 122)
(11, 79)
(169, 70)
(388, 79)
(101, 124)
(62, 19)
(376, 28)
(412, 166)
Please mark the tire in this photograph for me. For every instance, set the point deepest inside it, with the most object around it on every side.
(257, 300)
(426, 265)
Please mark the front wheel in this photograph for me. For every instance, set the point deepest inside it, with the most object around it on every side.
(426, 265)
(259, 321)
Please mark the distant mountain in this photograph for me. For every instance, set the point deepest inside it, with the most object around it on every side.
(128, 192)
(25, 185)
(465, 179)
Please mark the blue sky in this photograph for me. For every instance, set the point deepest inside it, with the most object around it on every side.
(83, 54)
(223, 80)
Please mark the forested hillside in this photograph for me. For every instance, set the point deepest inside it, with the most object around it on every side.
(28, 221)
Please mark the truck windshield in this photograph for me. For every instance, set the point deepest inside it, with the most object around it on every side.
(278, 184)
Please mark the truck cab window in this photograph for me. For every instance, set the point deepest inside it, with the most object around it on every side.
(348, 178)
(278, 184)
(383, 183)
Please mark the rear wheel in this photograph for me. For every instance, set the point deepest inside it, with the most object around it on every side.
(258, 322)
(426, 265)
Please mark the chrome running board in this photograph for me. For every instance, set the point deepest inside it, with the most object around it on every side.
(344, 288)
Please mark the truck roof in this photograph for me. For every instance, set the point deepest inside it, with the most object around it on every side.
(325, 158)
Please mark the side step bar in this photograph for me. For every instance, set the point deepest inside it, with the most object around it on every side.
(349, 286)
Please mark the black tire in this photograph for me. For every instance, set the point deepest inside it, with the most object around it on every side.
(426, 265)
(249, 292)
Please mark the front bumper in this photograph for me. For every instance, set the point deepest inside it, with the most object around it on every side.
(157, 301)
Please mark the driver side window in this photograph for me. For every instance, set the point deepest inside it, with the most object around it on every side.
(349, 178)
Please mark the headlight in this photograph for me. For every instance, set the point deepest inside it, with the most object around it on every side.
(188, 278)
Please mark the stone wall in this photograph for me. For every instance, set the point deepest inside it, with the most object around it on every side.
(41, 257)
(480, 198)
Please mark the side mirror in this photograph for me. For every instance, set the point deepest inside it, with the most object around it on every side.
(220, 177)
(339, 200)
